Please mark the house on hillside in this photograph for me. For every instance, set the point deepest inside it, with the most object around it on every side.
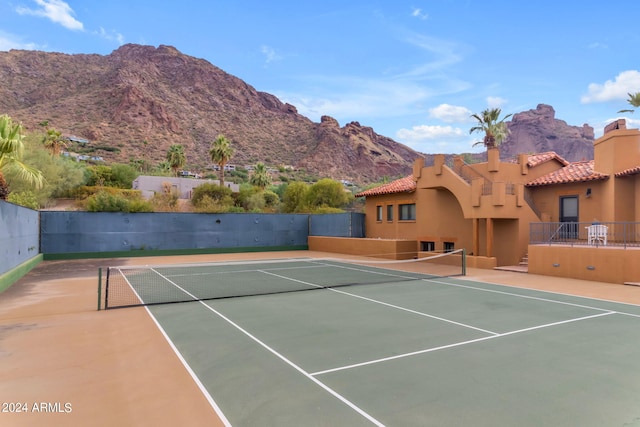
(149, 185)
(570, 219)
(73, 138)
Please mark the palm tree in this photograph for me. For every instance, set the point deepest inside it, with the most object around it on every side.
(54, 142)
(495, 129)
(260, 177)
(176, 158)
(220, 153)
(11, 149)
(634, 100)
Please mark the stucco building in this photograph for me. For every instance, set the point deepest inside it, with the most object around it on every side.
(539, 206)
(150, 185)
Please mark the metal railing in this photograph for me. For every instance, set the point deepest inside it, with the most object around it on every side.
(466, 172)
(619, 234)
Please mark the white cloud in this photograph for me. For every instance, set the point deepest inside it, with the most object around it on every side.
(495, 101)
(8, 42)
(436, 139)
(450, 113)
(55, 10)
(417, 13)
(423, 132)
(270, 54)
(110, 35)
(354, 98)
(444, 52)
(624, 83)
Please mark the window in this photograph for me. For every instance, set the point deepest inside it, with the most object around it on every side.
(427, 246)
(389, 212)
(407, 212)
(378, 213)
(449, 246)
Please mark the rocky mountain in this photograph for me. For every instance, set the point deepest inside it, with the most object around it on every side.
(537, 131)
(137, 101)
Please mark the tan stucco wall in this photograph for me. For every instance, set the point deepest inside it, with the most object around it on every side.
(591, 208)
(389, 229)
(383, 248)
(604, 264)
(617, 150)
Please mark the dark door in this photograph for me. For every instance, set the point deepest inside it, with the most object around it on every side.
(569, 217)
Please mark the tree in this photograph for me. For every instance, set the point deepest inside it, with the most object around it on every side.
(294, 199)
(176, 158)
(220, 153)
(62, 175)
(260, 177)
(54, 142)
(634, 100)
(495, 129)
(11, 149)
(328, 193)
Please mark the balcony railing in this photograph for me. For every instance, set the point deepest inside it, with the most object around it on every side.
(619, 234)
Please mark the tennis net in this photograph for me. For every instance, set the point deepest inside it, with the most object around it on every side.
(128, 286)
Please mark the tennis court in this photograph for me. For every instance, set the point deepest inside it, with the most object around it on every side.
(389, 344)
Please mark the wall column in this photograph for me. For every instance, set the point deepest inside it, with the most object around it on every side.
(489, 237)
(476, 237)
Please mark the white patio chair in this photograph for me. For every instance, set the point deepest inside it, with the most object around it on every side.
(597, 233)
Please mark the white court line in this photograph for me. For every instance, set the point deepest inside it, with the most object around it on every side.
(459, 285)
(209, 273)
(280, 356)
(429, 350)
(541, 291)
(193, 375)
(384, 303)
(521, 296)
(195, 378)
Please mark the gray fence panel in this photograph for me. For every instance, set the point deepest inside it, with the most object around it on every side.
(19, 235)
(337, 225)
(73, 232)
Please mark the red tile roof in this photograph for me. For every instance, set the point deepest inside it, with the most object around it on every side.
(573, 172)
(402, 185)
(627, 172)
(537, 159)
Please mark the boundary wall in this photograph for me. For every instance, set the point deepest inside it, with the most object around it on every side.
(597, 263)
(28, 237)
(384, 248)
(19, 242)
(75, 234)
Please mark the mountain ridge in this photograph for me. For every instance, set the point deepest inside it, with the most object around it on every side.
(137, 101)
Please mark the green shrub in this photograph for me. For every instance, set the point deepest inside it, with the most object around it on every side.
(325, 210)
(255, 203)
(140, 205)
(25, 198)
(218, 194)
(271, 199)
(105, 201)
(206, 204)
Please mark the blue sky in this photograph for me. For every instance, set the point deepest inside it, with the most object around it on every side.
(412, 70)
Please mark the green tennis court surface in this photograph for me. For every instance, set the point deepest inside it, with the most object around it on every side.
(405, 350)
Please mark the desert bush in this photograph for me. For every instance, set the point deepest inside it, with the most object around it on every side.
(105, 201)
(215, 192)
(24, 198)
